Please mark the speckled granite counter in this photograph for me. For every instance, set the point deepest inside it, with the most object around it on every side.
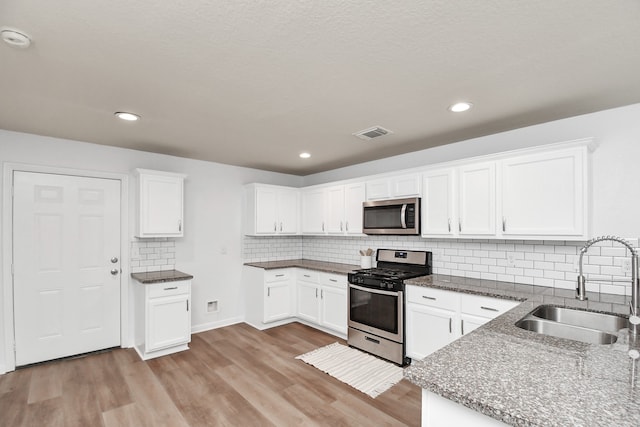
(527, 379)
(328, 267)
(161, 276)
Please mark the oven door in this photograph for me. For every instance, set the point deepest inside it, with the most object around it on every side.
(377, 312)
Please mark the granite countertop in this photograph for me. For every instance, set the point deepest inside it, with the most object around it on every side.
(161, 276)
(527, 379)
(327, 267)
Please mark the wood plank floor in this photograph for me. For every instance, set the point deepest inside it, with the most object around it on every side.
(232, 376)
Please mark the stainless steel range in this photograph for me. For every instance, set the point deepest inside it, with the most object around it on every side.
(376, 302)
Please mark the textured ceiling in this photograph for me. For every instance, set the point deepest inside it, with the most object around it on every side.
(254, 83)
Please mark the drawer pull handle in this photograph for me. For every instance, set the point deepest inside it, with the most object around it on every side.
(488, 308)
(372, 340)
(170, 289)
(333, 280)
(450, 320)
(462, 326)
(426, 297)
(279, 275)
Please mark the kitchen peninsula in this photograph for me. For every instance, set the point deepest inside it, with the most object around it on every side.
(523, 378)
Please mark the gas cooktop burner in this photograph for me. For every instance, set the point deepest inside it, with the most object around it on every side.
(388, 273)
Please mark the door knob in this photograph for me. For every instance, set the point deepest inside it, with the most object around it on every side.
(114, 260)
(114, 271)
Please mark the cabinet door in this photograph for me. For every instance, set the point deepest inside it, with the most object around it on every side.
(313, 211)
(277, 301)
(378, 189)
(266, 210)
(438, 203)
(354, 196)
(335, 209)
(160, 206)
(428, 329)
(468, 323)
(477, 199)
(308, 302)
(334, 308)
(168, 322)
(288, 212)
(544, 194)
(405, 186)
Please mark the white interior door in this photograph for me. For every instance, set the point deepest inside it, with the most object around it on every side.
(66, 242)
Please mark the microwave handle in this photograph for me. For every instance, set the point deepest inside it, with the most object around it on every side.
(403, 216)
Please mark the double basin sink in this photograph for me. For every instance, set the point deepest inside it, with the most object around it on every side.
(577, 325)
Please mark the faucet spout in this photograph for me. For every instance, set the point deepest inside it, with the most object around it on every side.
(634, 319)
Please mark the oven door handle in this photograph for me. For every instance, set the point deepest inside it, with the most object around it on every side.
(373, 291)
(403, 216)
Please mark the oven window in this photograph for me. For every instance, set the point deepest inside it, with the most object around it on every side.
(376, 310)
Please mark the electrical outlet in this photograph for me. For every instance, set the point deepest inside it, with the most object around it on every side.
(626, 265)
(511, 260)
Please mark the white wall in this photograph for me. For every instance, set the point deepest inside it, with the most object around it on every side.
(213, 200)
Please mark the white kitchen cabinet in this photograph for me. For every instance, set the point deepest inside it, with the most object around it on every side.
(308, 303)
(476, 310)
(163, 318)
(160, 204)
(431, 320)
(438, 203)
(270, 296)
(333, 210)
(544, 195)
(435, 317)
(394, 187)
(344, 208)
(460, 201)
(314, 203)
(271, 210)
(322, 300)
(477, 199)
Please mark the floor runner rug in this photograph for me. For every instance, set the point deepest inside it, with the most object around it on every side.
(360, 370)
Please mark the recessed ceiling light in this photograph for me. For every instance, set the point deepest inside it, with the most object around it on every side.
(15, 38)
(305, 155)
(130, 117)
(460, 107)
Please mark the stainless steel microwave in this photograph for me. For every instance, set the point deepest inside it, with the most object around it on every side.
(399, 216)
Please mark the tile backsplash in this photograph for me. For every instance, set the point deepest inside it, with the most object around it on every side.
(152, 255)
(545, 263)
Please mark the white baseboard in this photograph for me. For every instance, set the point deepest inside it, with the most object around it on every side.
(215, 325)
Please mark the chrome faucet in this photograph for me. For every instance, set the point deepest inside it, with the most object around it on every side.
(634, 320)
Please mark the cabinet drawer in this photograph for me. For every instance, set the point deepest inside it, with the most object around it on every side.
(168, 288)
(335, 280)
(433, 297)
(488, 307)
(277, 275)
(307, 275)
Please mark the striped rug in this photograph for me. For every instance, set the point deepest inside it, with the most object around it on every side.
(361, 371)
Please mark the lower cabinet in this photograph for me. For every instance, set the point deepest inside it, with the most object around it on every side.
(163, 323)
(435, 318)
(322, 299)
(270, 296)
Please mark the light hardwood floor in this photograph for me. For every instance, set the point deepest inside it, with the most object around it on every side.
(232, 376)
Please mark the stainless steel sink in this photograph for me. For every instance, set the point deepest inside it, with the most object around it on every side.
(578, 325)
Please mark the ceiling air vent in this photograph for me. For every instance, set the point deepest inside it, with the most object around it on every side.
(373, 132)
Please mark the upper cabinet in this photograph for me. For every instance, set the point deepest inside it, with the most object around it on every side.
(544, 194)
(538, 195)
(160, 204)
(333, 210)
(394, 187)
(271, 210)
(459, 201)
